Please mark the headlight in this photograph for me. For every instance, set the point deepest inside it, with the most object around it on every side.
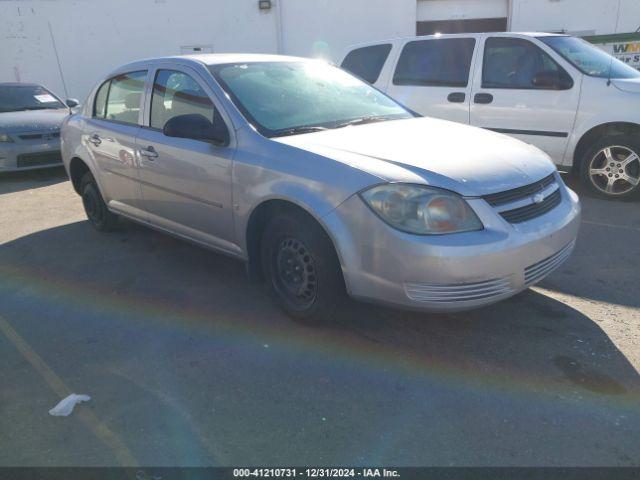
(421, 210)
(4, 138)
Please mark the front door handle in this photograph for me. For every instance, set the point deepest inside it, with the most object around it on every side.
(483, 98)
(456, 97)
(95, 139)
(149, 152)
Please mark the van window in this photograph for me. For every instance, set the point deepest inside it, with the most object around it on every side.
(515, 62)
(123, 101)
(441, 62)
(367, 62)
(176, 93)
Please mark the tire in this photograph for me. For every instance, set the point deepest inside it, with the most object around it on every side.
(97, 212)
(301, 268)
(616, 174)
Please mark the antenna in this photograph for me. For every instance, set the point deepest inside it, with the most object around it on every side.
(611, 61)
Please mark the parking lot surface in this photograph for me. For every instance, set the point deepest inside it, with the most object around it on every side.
(188, 364)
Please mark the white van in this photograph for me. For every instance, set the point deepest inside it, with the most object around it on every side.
(572, 100)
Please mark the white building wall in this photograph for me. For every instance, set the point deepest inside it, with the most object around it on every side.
(435, 10)
(92, 37)
(327, 27)
(595, 17)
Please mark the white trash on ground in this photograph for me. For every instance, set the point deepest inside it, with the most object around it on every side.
(65, 406)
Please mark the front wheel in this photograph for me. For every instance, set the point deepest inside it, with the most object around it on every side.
(97, 212)
(611, 167)
(301, 268)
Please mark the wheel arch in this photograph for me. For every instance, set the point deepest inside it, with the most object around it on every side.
(77, 169)
(589, 137)
(258, 220)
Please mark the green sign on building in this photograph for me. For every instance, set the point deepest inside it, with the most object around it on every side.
(623, 46)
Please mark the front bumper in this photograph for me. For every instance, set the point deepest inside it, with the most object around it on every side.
(450, 272)
(20, 156)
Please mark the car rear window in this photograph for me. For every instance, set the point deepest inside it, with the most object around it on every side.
(436, 62)
(367, 62)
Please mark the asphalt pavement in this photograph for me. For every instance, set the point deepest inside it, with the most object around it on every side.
(188, 364)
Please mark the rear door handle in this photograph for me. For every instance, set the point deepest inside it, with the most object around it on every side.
(95, 139)
(456, 97)
(149, 152)
(483, 98)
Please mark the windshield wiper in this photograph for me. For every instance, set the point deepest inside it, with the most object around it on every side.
(298, 130)
(36, 108)
(363, 121)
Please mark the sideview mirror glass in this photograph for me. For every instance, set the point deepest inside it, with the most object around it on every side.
(197, 127)
(72, 102)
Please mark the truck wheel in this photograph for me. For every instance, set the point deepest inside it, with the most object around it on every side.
(611, 167)
(95, 208)
(301, 268)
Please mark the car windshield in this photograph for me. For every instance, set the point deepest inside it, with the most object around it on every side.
(15, 98)
(286, 98)
(589, 59)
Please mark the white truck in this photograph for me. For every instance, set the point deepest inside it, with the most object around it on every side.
(570, 99)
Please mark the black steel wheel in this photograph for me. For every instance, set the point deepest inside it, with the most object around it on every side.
(301, 267)
(97, 212)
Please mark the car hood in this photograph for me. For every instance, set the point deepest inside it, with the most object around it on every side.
(468, 160)
(631, 85)
(32, 120)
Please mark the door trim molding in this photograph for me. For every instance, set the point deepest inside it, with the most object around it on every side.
(540, 133)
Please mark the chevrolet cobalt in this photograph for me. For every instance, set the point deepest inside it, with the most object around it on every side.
(319, 182)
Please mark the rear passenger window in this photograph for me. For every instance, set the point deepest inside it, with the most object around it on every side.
(367, 62)
(438, 63)
(176, 93)
(123, 100)
(100, 104)
(518, 63)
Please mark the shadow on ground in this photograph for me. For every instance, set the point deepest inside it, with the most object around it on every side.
(190, 364)
(11, 182)
(604, 264)
(531, 333)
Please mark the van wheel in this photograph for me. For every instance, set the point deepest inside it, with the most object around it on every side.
(611, 167)
(301, 268)
(95, 208)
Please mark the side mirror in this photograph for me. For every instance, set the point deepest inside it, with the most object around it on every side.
(72, 102)
(552, 80)
(197, 127)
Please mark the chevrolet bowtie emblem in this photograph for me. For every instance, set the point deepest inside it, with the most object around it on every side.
(538, 198)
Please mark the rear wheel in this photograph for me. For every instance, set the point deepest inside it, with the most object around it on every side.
(301, 268)
(611, 167)
(95, 208)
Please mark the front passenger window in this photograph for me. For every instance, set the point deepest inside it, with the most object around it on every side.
(123, 101)
(520, 64)
(176, 93)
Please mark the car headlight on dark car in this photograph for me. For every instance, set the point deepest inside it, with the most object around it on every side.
(421, 210)
(4, 138)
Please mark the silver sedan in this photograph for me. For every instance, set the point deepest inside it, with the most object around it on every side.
(319, 182)
(30, 119)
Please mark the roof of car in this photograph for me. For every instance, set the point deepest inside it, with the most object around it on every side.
(206, 59)
(19, 84)
(214, 59)
(220, 58)
(455, 35)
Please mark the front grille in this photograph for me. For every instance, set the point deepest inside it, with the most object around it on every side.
(445, 293)
(533, 210)
(26, 160)
(520, 193)
(537, 271)
(39, 136)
